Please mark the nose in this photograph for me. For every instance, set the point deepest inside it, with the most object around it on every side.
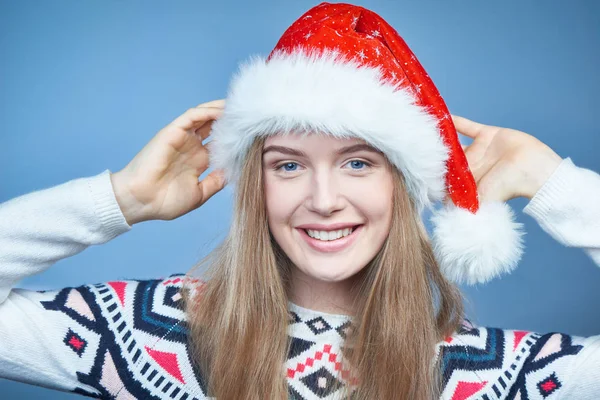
(325, 197)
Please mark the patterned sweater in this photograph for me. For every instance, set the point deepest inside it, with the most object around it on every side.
(128, 339)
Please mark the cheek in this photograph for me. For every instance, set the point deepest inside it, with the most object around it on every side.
(374, 200)
(281, 201)
(272, 203)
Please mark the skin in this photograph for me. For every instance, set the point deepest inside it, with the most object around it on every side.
(162, 182)
(316, 179)
(506, 163)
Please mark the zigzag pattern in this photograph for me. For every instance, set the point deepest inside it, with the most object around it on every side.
(136, 334)
(134, 319)
(535, 376)
(491, 355)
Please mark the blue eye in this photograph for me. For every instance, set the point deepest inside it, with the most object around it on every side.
(357, 164)
(289, 167)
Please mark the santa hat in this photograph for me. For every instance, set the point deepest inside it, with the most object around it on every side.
(341, 69)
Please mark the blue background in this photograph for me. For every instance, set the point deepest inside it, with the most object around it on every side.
(85, 85)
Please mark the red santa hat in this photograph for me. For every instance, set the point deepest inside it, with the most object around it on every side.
(342, 70)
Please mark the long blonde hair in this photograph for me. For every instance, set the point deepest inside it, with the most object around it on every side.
(239, 320)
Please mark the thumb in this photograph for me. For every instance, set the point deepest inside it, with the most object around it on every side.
(214, 182)
(467, 127)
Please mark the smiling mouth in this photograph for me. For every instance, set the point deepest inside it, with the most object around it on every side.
(327, 236)
(330, 241)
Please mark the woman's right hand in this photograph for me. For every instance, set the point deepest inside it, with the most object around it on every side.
(161, 182)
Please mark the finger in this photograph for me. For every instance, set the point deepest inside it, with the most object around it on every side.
(204, 131)
(467, 127)
(214, 103)
(200, 160)
(210, 185)
(195, 117)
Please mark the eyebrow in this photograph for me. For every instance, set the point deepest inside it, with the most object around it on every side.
(284, 150)
(357, 147)
(344, 150)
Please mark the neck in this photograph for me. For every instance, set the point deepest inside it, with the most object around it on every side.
(323, 296)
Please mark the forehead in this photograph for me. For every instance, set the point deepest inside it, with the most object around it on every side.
(312, 141)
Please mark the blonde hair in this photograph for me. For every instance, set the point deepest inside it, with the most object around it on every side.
(239, 320)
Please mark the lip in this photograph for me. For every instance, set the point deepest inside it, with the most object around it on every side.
(330, 227)
(330, 246)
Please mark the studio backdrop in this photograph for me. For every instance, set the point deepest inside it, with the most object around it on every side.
(85, 85)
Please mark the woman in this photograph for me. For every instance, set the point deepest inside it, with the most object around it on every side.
(327, 268)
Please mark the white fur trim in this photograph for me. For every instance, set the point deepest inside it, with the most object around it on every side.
(474, 248)
(322, 92)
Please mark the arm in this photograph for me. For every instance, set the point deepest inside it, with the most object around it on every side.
(567, 207)
(479, 362)
(564, 199)
(85, 339)
(161, 182)
(585, 371)
(123, 339)
(40, 228)
(37, 230)
(559, 365)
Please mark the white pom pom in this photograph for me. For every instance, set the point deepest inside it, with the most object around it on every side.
(475, 248)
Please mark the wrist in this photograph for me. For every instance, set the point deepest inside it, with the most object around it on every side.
(545, 165)
(132, 209)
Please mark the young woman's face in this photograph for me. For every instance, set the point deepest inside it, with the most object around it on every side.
(329, 202)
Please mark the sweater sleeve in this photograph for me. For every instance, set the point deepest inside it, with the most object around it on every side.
(492, 363)
(40, 228)
(585, 371)
(567, 207)
(560, 366)
(37, 230)
(124, 339)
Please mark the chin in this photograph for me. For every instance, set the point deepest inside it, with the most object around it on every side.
(330, 278)
(330, 272)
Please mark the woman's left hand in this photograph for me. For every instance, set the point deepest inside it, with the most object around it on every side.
(506, 163)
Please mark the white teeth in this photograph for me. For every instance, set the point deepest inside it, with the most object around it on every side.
(329, 235)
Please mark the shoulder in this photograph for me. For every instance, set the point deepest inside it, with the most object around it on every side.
(137, 327)
(500, 362)
(120, 298)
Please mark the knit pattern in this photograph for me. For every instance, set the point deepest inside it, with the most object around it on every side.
(132, 336)
(128, 339)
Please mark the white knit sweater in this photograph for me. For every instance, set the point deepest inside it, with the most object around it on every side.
(128, 339)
